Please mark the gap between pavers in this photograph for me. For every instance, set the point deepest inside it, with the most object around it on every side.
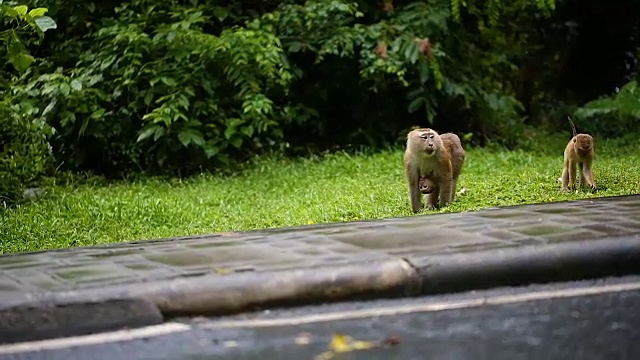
(130, 305)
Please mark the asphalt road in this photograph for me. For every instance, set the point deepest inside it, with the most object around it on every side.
(587, 320)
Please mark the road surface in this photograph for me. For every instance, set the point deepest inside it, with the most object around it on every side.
(597, 319)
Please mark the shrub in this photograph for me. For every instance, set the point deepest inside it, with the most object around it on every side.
(612, 116)
(24, 153)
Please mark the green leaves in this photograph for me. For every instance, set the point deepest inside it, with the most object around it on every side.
(188, 136)
(17, 52)
(189, 91)
(221, 13)
(45, 23)
(21, 10)
(149, 84)
(25, 153)
(19, 57)
(612, 116)
(34, 17)
(37, 12)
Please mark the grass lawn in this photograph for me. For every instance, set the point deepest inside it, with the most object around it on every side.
(277, 193)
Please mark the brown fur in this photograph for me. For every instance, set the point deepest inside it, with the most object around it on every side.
(580, 151)
(432, 165)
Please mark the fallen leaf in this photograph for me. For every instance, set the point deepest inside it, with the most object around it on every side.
(343, 343)
(340, 343)
(222, 271)
(363, 345)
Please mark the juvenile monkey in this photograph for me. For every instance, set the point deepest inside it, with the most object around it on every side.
(432, 164)
(426, 186)
(580, 150)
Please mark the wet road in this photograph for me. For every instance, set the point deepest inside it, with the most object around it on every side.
(587, 320)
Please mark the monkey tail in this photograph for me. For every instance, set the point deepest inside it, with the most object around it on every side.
(573, 127)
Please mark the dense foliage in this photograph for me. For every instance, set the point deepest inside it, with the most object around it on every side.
(24, 148)
(178, 86)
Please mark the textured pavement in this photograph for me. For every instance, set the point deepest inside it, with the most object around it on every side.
(602, 325)
(415, 238)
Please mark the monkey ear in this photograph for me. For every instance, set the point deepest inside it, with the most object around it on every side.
(575, 140)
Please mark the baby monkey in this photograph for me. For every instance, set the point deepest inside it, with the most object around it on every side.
(579, 151)
(432, 164)
(426, 186)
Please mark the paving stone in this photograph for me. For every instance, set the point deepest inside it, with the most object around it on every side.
(502, 234)
(22, 261)
(8, 285)
(481, 246)
(429, 223)
(544, 229)
(504, 214)
(117, 253)
(528, 241)
(35, 278)
(81, 274)
(634, 204)
(184, 258)
(477, 228)
(402, 238)
(631, 224)
(607, 229)
(148, 270)
(597, 218)
(213, 244)
(561, 211)
(578, 235)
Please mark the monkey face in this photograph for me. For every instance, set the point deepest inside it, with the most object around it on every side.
(583, 143)
(425, 141)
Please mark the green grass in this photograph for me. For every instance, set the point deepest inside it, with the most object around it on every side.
(276, 193)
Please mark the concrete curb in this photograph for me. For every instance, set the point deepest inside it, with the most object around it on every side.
(42, 321)
(90, 310)
(531, 264)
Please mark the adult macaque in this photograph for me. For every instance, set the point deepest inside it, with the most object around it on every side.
(432, 164)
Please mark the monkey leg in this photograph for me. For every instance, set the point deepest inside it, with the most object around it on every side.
(572, 173)
(432, 201)
(453, 188)
(583, 181)
(446, 189)
(587, 174)
(565, 176)
(415, 196)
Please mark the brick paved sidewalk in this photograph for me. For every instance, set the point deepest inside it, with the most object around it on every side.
(415, 238)
(418, 239)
